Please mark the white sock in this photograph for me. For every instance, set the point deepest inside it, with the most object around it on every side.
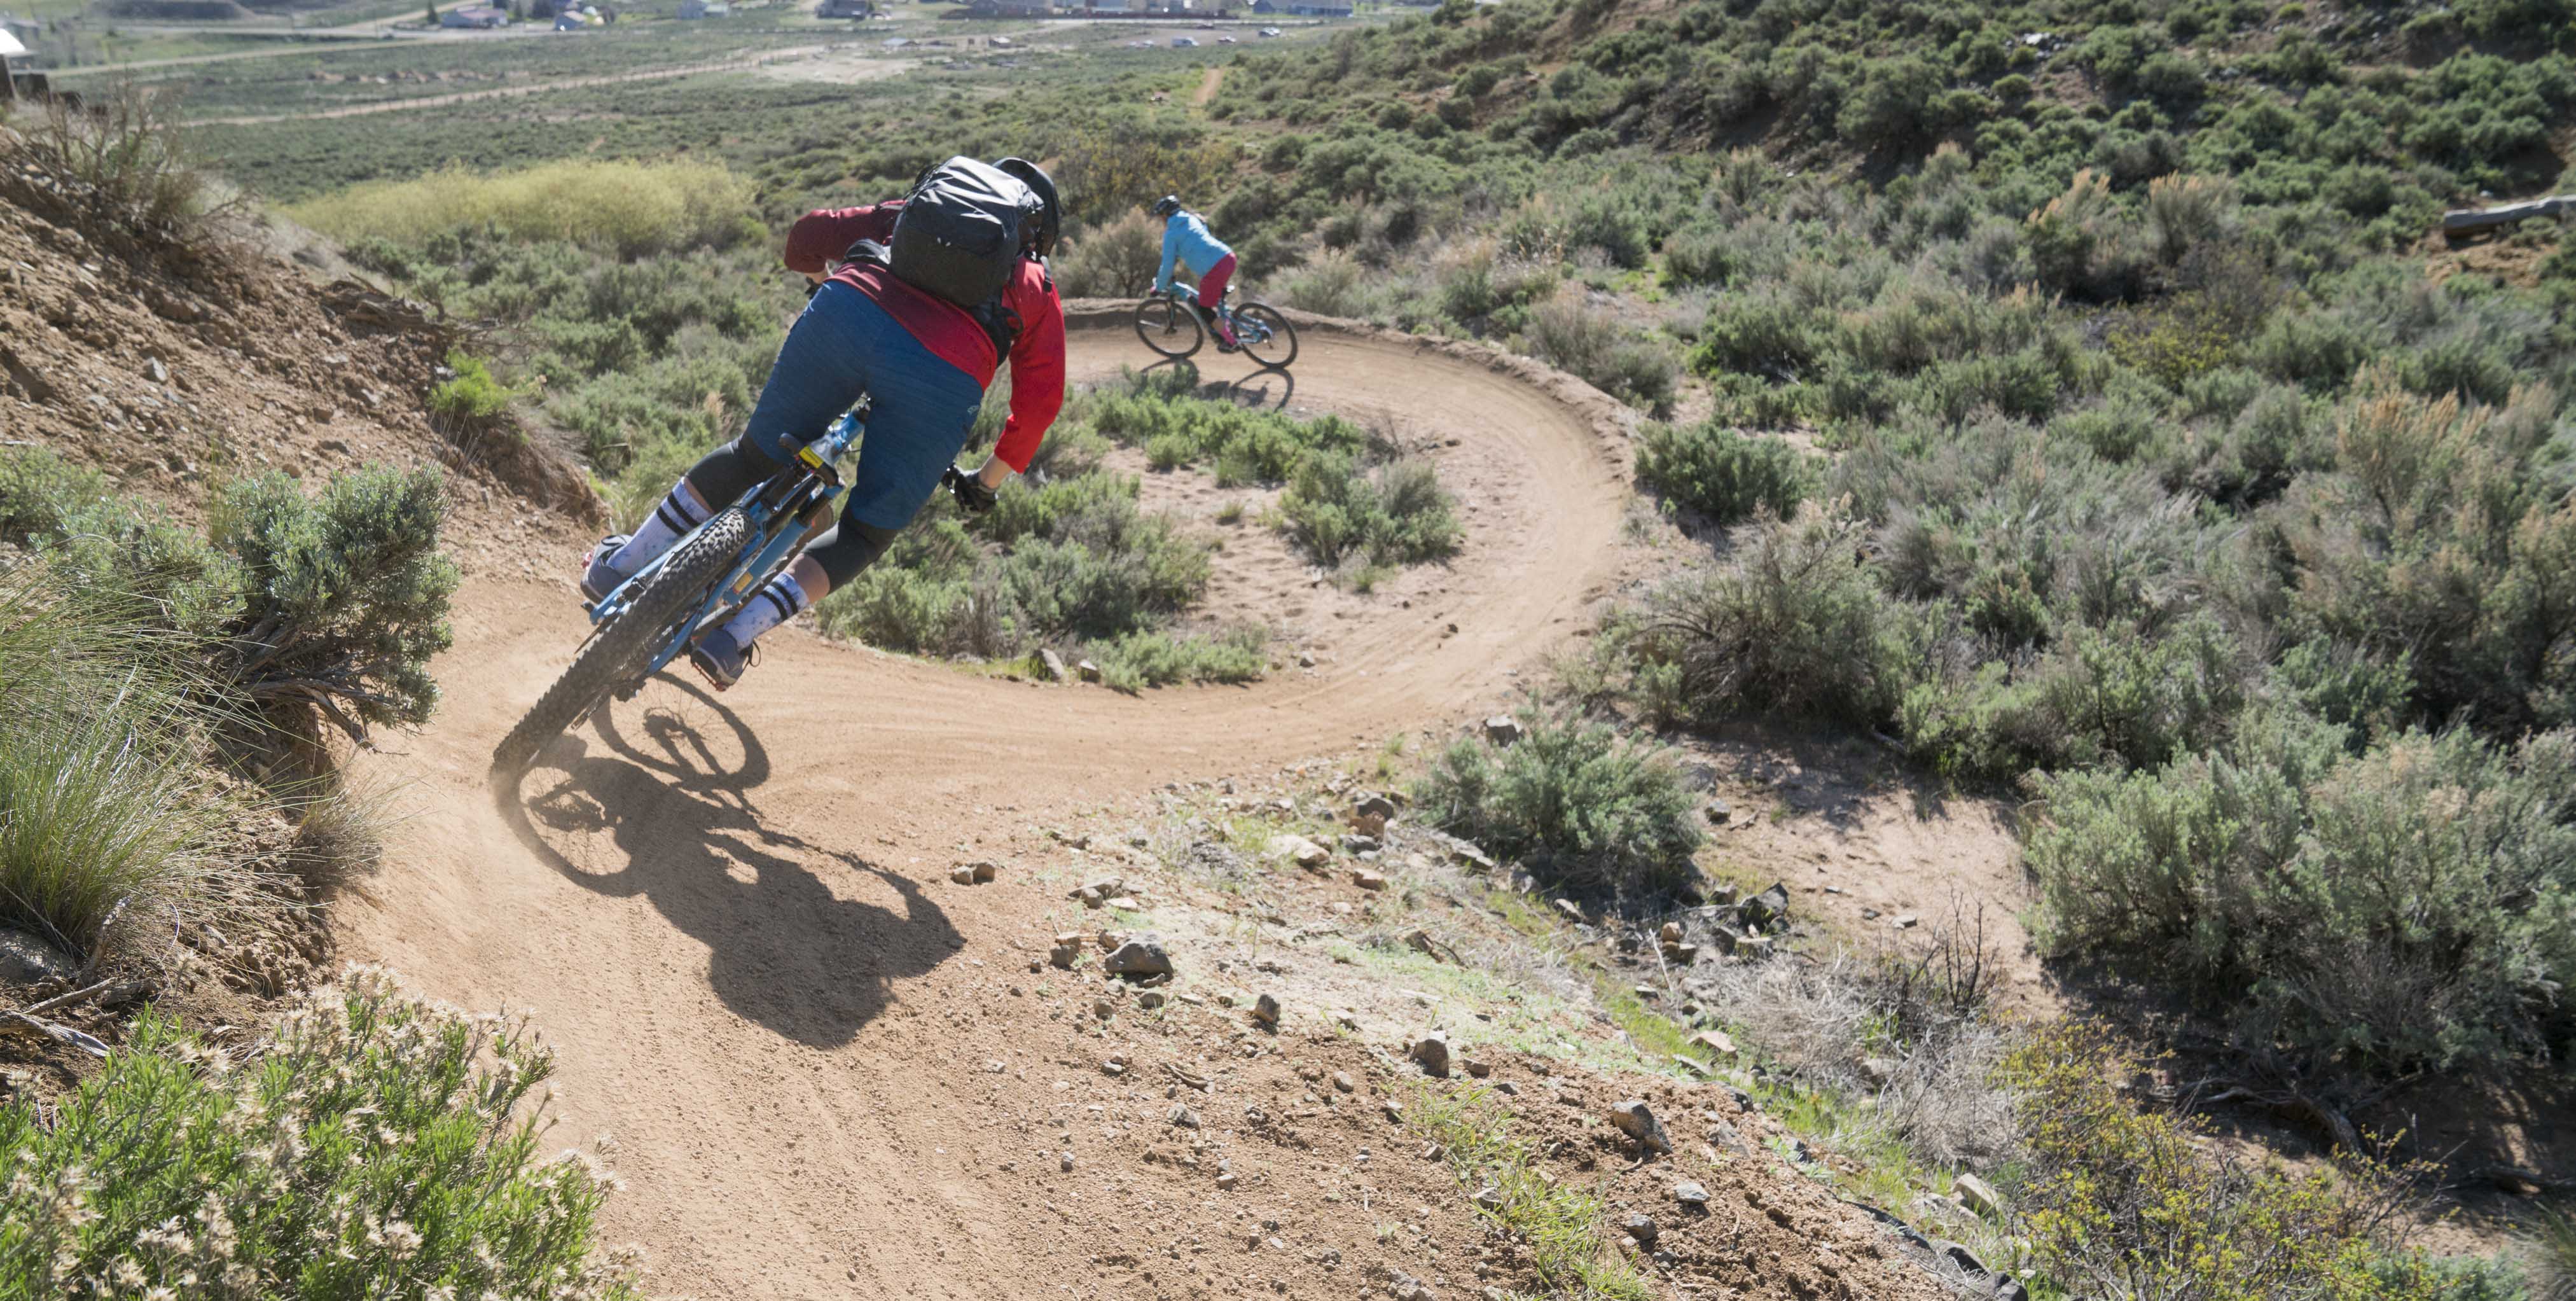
(679, 512)
(775, 604)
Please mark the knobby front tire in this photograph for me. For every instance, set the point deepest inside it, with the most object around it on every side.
(1274, 353)
(1169, 327)
(627, 640)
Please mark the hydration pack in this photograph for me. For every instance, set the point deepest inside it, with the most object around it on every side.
(961, 230)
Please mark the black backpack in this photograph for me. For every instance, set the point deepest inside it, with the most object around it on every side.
(961, 230)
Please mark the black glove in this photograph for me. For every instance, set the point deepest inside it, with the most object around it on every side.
(970, 492)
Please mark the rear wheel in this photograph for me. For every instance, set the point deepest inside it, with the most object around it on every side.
(1169, 327)
(627, 640)
(1254, 321)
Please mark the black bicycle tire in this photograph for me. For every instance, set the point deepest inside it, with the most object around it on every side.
(1172, 307)
(1280, 329)
(627, 638)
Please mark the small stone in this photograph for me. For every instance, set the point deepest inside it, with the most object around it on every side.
(1489, 1198)
(1103, 1008)
(1150, 999)
(1720, 812)
(1063, 956)
(1977, 1195)
(27, 960)
(1064, 1162)
(1052, 665)
(1138, 957)
(1184, 1118)
(1355, 843)
(1567, 907)
(1432, 1050)
(1503, 729)
(1305, 659)
(1477, 1067)
(1088, 672)
(1114, 1067)
(1370, 805)
(1640, 1226)
(1670, 933)
(1392, 1111)
(1368, 824)
(1906, 921)
(1716, 1042)
(1225, 1182)
(962, 875)
(1367, 880)
(985, 871)
(1265, 1009)
(1471, 858)
(1299, 850)
(1343, 1082)
(159, 373)
(1693, 1064)
(1636, 1120)
(1690, 1194)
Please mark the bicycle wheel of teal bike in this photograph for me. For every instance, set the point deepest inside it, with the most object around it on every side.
(621, 646)
(1267, 337)
(1168, 327)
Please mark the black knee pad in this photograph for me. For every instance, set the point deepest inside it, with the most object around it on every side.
(729, 471)
(850, 547)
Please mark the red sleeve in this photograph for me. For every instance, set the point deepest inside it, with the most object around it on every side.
(1037, 367)
(820, 237)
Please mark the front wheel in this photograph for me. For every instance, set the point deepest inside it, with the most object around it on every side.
(1168, 326)
(627, 641)
(1266, 335)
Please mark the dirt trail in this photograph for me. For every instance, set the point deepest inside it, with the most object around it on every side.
(1207, 87)
(734, 920)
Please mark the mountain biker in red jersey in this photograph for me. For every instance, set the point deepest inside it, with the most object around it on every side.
(922, 362)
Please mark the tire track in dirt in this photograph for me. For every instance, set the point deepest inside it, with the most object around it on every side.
(733, 920)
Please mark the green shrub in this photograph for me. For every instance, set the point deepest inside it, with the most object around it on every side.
(2409, 905)
(1397, 514)
(1570, 334)
(1585, 809)
(1722, 474)
(1152, 659)
(335, 602)
(1114, 260)
(367, 1145)
(120, 167)
(344, 595)
(1794, 624)
(472, 396)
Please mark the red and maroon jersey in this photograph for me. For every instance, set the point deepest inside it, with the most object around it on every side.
(1037, 356)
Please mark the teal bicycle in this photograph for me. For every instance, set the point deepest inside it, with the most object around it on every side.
(638, 629)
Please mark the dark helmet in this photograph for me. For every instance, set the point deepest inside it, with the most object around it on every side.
(1052, 222)
(1167, 205)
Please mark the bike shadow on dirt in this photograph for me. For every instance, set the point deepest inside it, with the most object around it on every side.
(1261, 390)
(805, 941)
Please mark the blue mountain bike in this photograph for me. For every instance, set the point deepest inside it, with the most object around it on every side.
(650, 619)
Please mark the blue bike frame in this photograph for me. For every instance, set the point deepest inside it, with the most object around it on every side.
(777, 530)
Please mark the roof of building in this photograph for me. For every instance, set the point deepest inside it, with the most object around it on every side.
(9, 44)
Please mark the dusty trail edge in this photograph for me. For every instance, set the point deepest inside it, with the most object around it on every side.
(733, 918)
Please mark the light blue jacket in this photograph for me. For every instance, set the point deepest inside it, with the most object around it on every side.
(1187, 241)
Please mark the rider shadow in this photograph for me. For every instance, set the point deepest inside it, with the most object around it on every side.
(1262, 389)
(786, 950)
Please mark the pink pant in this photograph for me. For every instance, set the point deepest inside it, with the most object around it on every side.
(1212, 285)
